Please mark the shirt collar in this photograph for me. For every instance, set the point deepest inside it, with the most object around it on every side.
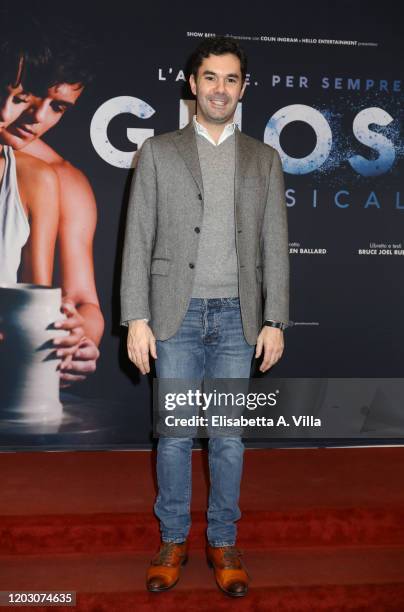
(202, 131)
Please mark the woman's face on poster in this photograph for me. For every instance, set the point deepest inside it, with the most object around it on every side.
(40, 115)
(13, 102)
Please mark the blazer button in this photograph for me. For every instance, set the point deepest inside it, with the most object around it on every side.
(200, 196)
(191, 265)
(197, 230)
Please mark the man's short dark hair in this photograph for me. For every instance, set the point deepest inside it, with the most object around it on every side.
(13, 48)
(44, 54)
(220, 45)
(10, 66)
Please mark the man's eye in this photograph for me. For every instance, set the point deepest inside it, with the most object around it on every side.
(20, 100)
(58, 108)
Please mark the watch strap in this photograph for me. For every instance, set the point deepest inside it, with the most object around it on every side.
(277, 324)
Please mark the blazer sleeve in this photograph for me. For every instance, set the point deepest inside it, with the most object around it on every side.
(275, 247)
(139, 238)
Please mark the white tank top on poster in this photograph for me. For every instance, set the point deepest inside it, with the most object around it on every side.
(14, 226)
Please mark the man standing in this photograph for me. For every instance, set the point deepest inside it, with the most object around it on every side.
(205, 245)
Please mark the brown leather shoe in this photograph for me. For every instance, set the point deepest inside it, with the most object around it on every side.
(230, 574)
(164, 570)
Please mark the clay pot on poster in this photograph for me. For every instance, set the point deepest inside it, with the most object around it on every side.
(29, 374)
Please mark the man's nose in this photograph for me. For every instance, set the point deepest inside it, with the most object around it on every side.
(38, 112)
(220, 86)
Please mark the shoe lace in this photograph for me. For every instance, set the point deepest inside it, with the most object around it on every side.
(166, 554)
(231, 558)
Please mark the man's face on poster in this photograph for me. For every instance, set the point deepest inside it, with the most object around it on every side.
(40, 115)
(13, 102)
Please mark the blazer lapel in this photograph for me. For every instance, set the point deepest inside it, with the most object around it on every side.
(242, 162)
(185, 142)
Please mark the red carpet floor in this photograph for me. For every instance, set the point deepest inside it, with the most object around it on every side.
(321, 530)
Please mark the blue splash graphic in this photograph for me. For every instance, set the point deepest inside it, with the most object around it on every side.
(355, 137)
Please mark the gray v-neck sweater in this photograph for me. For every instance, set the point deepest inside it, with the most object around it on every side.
(216, 266)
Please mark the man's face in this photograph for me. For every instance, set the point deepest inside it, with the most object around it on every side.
(218, 87)
(40, 115)
(13, 102)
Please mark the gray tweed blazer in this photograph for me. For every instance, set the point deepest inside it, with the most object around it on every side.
(160, 248)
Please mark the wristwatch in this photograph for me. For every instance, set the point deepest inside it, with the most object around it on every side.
(277, 324)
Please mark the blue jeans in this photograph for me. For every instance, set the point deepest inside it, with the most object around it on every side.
(209, 344)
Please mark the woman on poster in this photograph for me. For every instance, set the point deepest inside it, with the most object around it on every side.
(29, 192)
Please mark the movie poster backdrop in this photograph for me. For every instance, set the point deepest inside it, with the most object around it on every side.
(325, 89)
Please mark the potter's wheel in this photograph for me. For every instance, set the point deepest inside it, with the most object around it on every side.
(84, 423)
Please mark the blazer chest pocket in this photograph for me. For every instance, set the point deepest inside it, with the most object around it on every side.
(160, 266)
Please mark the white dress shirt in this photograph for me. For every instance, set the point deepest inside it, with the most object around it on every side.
(202, 131)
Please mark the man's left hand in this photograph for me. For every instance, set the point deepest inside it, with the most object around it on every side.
(78, 353)
(73, 323)
(83, 362)
(270, 343)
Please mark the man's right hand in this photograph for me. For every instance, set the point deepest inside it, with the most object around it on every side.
(141, 342)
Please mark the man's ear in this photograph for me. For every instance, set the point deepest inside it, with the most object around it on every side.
(192, 84)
